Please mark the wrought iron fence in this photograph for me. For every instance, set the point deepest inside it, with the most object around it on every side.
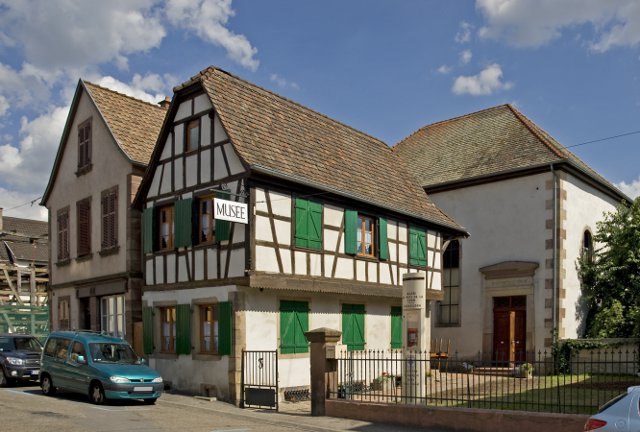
(571, 383)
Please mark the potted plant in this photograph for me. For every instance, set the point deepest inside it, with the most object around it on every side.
(385, 382)
(525, 370)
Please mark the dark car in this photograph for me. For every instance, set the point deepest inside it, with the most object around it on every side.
(19, 358)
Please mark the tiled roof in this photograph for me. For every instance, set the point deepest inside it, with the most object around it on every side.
(276, 135)
(28, 239)
(135, 124)
(488, 142)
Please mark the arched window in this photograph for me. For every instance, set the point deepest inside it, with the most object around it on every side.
(587, 246)
(449, 307)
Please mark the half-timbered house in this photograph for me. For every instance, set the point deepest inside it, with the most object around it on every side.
(334, 221)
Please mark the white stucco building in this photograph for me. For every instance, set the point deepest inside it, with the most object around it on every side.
(94, 260)
(531, 207)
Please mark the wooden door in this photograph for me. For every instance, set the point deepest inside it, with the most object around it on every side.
(509, 329)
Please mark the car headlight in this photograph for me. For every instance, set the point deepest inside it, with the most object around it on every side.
(15, 361)
(119, 379)
(157, 380)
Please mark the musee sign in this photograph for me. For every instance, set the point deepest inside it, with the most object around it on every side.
(231, 211)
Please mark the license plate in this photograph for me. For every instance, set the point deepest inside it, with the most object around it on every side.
(35, 372)
(143, 389)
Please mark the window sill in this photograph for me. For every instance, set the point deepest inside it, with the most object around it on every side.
(64, 262)
(85, 257)
(84, 169)
(367, 258)
(112, 250)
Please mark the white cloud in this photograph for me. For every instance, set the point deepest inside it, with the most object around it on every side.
(208, 19)
(536, 22)
(283, 83)
(444, 69)
(488, 81)
(22, 205)
(26, 168)
(464, 34)
(150, 88)
(631, 189)
(4, 105)
(465, 56)
(66, 34)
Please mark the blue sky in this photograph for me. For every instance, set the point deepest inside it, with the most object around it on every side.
(384, 67)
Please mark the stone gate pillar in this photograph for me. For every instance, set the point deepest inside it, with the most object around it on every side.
(324, 366)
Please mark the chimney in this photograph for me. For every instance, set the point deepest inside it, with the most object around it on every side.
(165, 103)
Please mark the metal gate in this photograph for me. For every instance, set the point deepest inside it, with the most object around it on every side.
(260, 379)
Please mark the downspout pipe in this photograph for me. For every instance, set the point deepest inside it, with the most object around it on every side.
(555, 297)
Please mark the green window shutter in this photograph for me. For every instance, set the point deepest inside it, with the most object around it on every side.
(183, 329)
(396, 327)
(147, 229)
(350, 232)
(315, 225)
(302, 223)
(225, 327)
(147, 329)
(222, 227)
(353, 326)
(294, 322)
(383, 239)
(182, 223)
(417, 248)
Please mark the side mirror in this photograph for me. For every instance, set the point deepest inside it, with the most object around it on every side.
(142, 361)
(81, 359)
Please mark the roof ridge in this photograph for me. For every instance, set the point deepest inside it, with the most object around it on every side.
(290, 101)
(449, 120)
(123, 94)
(529, 125)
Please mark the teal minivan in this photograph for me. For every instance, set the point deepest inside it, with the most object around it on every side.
(100, 366)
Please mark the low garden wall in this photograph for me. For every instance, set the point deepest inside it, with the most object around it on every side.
(454, 419)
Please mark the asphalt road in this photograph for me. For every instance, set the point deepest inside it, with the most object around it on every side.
(26, 409)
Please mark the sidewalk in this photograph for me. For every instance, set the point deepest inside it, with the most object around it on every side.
(292, 415)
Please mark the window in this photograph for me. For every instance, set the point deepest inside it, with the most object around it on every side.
(396, 327)
(587, 247)
(353, 326)
(110, 218)
(209, 330)
(294, 322)
(168, 329)
(63, 313)
(192, 139)
(206, 229)
(449, 307)
(308, 226)
(77, 350)
(365, 236)
(63, 234)
(417, 247)
(112, 315)
(165, 224)
(83, 212)
(84, 145)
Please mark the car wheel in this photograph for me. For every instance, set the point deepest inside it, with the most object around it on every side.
(96, 394)
(150, 401)
(47, 386)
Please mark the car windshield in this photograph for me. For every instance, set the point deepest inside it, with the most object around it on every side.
(20, 344)
(112, 353)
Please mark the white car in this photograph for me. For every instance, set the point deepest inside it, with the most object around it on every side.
(622, 413)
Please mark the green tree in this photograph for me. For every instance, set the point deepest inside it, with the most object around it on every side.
(611, 276)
